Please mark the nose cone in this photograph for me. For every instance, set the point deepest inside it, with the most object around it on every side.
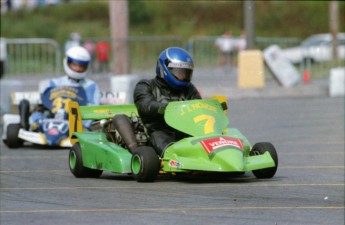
(54, 137)
(229, 159)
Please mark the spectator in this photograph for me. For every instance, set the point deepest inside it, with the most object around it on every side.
(74, 40)
(102, 53)
(226, 45)
(90, 46)
(241, 43)
(3, 56)
(9, 5)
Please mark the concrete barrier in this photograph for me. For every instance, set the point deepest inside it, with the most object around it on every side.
(251, 69)
(282, 69)
(337, 82)
(7, 87)
(124, 83)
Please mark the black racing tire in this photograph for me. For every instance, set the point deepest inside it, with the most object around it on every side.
(13, 141)
(76, 164)
(24, 113)
(145, 164)
(259, 149)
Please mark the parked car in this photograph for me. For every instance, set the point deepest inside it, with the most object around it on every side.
(316, 48)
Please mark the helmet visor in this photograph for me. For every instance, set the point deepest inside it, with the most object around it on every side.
(182, 74)
(77, 65)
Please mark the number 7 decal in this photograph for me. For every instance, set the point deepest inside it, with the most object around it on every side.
(75, 122)
(209, 124)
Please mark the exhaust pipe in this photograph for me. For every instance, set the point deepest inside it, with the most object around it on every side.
(123, 125)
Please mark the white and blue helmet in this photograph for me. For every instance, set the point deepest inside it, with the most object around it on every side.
(175, 65)
(78, 55)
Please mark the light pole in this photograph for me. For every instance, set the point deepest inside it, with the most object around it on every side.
(119, 36)
(249, 23)
(334, 26)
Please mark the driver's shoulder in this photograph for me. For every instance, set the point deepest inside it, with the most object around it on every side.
(144, 84)
(145, 81)
(88, 83)
(58, 81)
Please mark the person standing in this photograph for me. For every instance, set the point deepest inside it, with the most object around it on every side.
(241, 42)
(90, 46)
(74, 40)
(102, 53)
(3, 56)
(225, 45)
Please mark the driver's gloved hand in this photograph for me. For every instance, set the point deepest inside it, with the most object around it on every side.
(161, 109)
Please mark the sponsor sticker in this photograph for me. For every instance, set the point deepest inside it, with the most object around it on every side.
(53, 131)
(220, 142)
(174, 163)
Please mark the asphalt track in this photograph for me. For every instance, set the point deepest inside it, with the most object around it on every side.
(308, 133)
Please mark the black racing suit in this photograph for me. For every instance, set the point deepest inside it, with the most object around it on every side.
(151, 97)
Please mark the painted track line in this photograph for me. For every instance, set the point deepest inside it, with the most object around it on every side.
(32, 157)
(173, 209)
(67, 171)
(168, 186)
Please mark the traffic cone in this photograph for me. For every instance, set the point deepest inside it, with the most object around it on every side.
(306, 77)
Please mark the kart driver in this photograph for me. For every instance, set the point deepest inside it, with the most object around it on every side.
(75, 65)
(174, 72)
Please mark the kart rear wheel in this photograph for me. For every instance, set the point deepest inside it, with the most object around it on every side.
(13, 141)
(259, 149)
(145, 164)
(76, 164)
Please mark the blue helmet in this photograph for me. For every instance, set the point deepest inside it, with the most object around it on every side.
(175, 65)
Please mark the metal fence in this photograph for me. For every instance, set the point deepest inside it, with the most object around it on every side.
(32, 56)
(43, 56)
(40, 56)
(206, 54)
(143, 51)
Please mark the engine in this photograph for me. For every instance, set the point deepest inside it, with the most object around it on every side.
(106, 126)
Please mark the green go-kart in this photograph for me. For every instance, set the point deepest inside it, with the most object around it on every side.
(210, 146)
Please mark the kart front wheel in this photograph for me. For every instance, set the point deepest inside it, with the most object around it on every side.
(260, 149)
(76, 164)
(145, 164)
(13, 141)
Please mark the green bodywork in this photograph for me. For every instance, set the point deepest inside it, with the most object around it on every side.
(212, 145)
(106, 111)
(97, 151)
(205, 120)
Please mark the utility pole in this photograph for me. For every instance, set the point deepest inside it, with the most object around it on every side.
(249, 22)
(334, 26)
(119, 36)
